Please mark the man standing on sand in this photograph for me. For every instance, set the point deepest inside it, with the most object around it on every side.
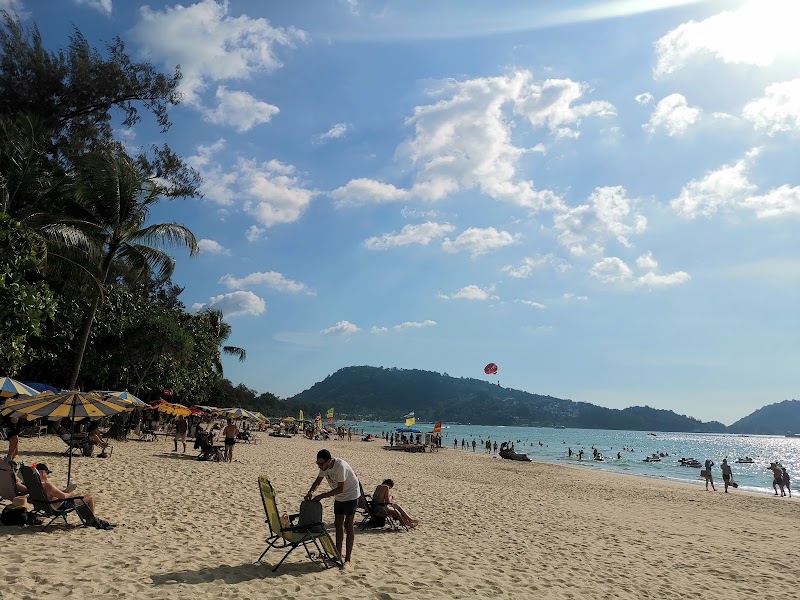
(708, 475)
(230, 432)
(786, 481)
(727, 473)
(777, 478)
(346, 492)
(181, 429)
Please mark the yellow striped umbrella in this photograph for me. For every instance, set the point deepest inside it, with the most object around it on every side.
(65, 405)
(11, 387)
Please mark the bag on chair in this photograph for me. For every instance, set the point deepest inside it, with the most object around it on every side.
(310, 518)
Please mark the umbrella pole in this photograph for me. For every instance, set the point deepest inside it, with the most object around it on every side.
(71, 438)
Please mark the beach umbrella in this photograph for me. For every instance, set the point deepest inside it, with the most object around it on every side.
(11, 387)
(127, 396)
(239, 413)
(71, 405)
(289, 420)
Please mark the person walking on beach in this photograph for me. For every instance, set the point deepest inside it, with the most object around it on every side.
(777, 478)
(473, 445)
(495, 446)
(230, 432)
(708, 475)
(181, 429)
(346, 491)
(14, 428)
(727, 474)
(786, 481)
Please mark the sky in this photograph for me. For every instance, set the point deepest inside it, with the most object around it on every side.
(599, 196)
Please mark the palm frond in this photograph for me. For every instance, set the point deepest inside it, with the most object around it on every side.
(139, 258)
(239, 353)
(167, 234)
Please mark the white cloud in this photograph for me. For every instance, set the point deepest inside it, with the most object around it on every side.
(239, 109)
(782, 201)
(12, 6)
(334, 133)
(646, 261)
(570, 296)
(378, 330)
(613, 270)
(531, 303)
(104, 6)
(530, 264)
(341, 328)
(212, 247)
(410, 234)
(477, 241)
(644, 99)
(209, 44)
(413, 213)
(608, 213)
(755, 34)
(235, 304)
(271, 279)
(414, 325)
(254, 233)
(778, 110)
(727, 186)
(673, 114)
(271, 192)
(462, 140)
(363, 191)
(471, 292)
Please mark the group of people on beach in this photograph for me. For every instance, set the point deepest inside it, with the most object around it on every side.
(347, 492)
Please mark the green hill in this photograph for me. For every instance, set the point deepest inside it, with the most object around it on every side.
(376, 393)
(775, 419)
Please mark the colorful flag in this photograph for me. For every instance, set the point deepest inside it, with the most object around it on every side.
(301, 415)
(409, 415)
(437, 429)
(411, 421)
(330, 415)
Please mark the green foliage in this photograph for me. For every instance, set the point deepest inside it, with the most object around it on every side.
(781, 418)
(74, 91)
(27, 303)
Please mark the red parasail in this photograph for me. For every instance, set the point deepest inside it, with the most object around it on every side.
(490, 369)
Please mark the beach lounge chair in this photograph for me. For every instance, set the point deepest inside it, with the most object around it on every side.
(44, 507)
(293, 536)
(374, 514)
(8, 482)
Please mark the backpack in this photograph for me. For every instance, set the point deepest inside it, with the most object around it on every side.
(310, 518)
(18, 516)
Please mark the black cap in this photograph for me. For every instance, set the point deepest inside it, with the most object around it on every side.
(43, 467)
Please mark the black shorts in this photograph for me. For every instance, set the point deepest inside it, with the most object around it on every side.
(230, 441)
(726, 477)
(347, 507)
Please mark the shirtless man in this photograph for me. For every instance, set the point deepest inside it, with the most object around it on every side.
(230, 432)
(62, 499)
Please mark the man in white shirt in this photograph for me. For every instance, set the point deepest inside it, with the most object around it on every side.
(346, 492)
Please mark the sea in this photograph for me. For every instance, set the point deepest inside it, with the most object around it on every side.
(550, 445)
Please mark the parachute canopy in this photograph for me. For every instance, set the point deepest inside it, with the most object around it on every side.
(490, 369)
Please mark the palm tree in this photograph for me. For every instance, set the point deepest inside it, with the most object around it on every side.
(112, 203)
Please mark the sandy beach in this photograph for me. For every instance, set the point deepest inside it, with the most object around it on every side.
(489, 528)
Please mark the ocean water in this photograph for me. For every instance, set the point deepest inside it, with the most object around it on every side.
(640, 444)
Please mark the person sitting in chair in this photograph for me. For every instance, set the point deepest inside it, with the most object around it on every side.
(95, 437)
(62, 500)
(383, 495)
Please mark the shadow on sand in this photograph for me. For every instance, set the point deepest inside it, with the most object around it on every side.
(232, 574)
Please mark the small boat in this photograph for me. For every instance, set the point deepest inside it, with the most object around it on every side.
(690, 462)
(654, 458)
(653, 434)
(745, 461)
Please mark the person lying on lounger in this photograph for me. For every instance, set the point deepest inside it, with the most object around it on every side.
(383, 495)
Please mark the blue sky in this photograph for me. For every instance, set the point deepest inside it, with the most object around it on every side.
(602, 197)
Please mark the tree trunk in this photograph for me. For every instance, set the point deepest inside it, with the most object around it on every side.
(145, 372)
(87, 324)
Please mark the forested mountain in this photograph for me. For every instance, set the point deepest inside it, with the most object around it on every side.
(389, 393)
(780, 419)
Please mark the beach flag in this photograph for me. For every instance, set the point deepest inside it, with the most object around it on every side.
(330, 415)
(437, 429)
(411, 421)
(301, 415)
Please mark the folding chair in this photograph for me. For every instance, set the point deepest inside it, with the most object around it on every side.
(375, 514)
(8, 482)
(295, 535)
(44, 507)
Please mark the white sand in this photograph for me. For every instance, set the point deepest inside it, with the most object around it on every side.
(489, 528)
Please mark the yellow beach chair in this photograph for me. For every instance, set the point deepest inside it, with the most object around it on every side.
(294, 536)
